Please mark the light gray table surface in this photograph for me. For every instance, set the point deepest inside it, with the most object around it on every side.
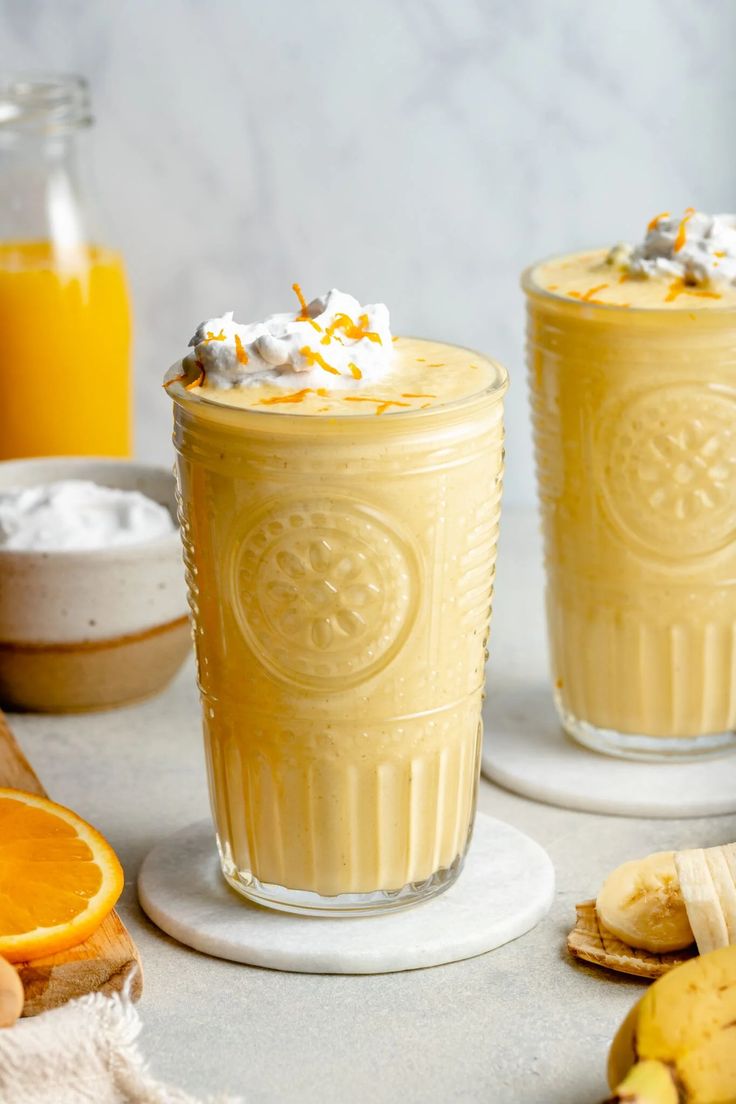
(521, 1025)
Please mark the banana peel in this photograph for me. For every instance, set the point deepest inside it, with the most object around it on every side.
(652, 913)
(590, 941)
(678, 1043)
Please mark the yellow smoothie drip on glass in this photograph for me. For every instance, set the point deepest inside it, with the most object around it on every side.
(64, 370)
(633, 387)
(340, 559)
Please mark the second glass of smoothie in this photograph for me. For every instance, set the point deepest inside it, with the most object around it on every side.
(340, 532)
(632, 371)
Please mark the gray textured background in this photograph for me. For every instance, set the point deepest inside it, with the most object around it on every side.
(412, 151)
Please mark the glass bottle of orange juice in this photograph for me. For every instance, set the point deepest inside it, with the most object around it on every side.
(65, 383)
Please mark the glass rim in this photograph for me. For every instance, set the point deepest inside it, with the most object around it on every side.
(496, 388)
(43, 103)
(532, 289)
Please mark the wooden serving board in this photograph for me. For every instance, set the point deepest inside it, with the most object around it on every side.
(103, 962)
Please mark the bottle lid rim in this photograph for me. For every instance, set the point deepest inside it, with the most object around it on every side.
(43, 103)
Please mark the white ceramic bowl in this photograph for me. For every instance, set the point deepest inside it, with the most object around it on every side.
(96, 628)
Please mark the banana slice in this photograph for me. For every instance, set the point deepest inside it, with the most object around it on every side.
(701, 899)
(720, 872)
(641, 903)
(729, 854)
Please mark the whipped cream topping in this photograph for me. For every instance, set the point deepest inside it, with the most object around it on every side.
(697, 248)
(331, 340)
(75, 514)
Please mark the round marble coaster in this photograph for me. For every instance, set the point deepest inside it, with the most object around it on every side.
(506, 888)
(525, 750)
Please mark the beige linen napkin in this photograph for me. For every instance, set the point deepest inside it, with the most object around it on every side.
(82, 1053)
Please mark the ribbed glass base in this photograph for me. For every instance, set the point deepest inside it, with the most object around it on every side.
(306, 903)
(628, 745)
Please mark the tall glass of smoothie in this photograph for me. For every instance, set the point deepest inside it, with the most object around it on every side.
(632, 370)
(340, 495)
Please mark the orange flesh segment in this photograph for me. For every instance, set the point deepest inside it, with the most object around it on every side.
(58, 877)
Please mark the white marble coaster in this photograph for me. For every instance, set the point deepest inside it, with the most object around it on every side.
(525, 750)
(506, 888)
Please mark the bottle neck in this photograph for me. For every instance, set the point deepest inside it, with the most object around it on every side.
(42, 194)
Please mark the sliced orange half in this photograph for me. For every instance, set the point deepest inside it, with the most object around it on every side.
(58, 877)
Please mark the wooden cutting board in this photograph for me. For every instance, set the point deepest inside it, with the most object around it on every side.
(103, 961)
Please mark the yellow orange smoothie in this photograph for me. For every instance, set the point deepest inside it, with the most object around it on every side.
(64, 370)
(632, 372)
(340, 557)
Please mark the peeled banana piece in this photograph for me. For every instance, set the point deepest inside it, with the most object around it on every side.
(641, 903)
(678, 1043)
(668, 900)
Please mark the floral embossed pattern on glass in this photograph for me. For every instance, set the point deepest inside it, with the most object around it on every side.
(668, 464)
(325, 590)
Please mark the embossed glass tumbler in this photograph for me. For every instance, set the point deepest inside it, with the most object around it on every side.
(340, 573)
(634, 414)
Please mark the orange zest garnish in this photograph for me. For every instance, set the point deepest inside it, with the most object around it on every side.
(410, 395)
(589, 295)
(312, 357)
(438, 365)
(355, 371)
(59, 878)
(240, 351)
(354, 330)
(183, 376)
(214, 337)
(653, 223)
(315, 325)
(303, 314)
(592, 292)
(720, 253)
(381, 404)
(174, 379)
(294, 396)
(679, 287)
(681, 231)
(196, 383)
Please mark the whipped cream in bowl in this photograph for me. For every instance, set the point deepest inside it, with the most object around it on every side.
(332, 342)
(76, 515)
(93, 606)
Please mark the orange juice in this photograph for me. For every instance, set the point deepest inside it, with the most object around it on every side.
(64, 352)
